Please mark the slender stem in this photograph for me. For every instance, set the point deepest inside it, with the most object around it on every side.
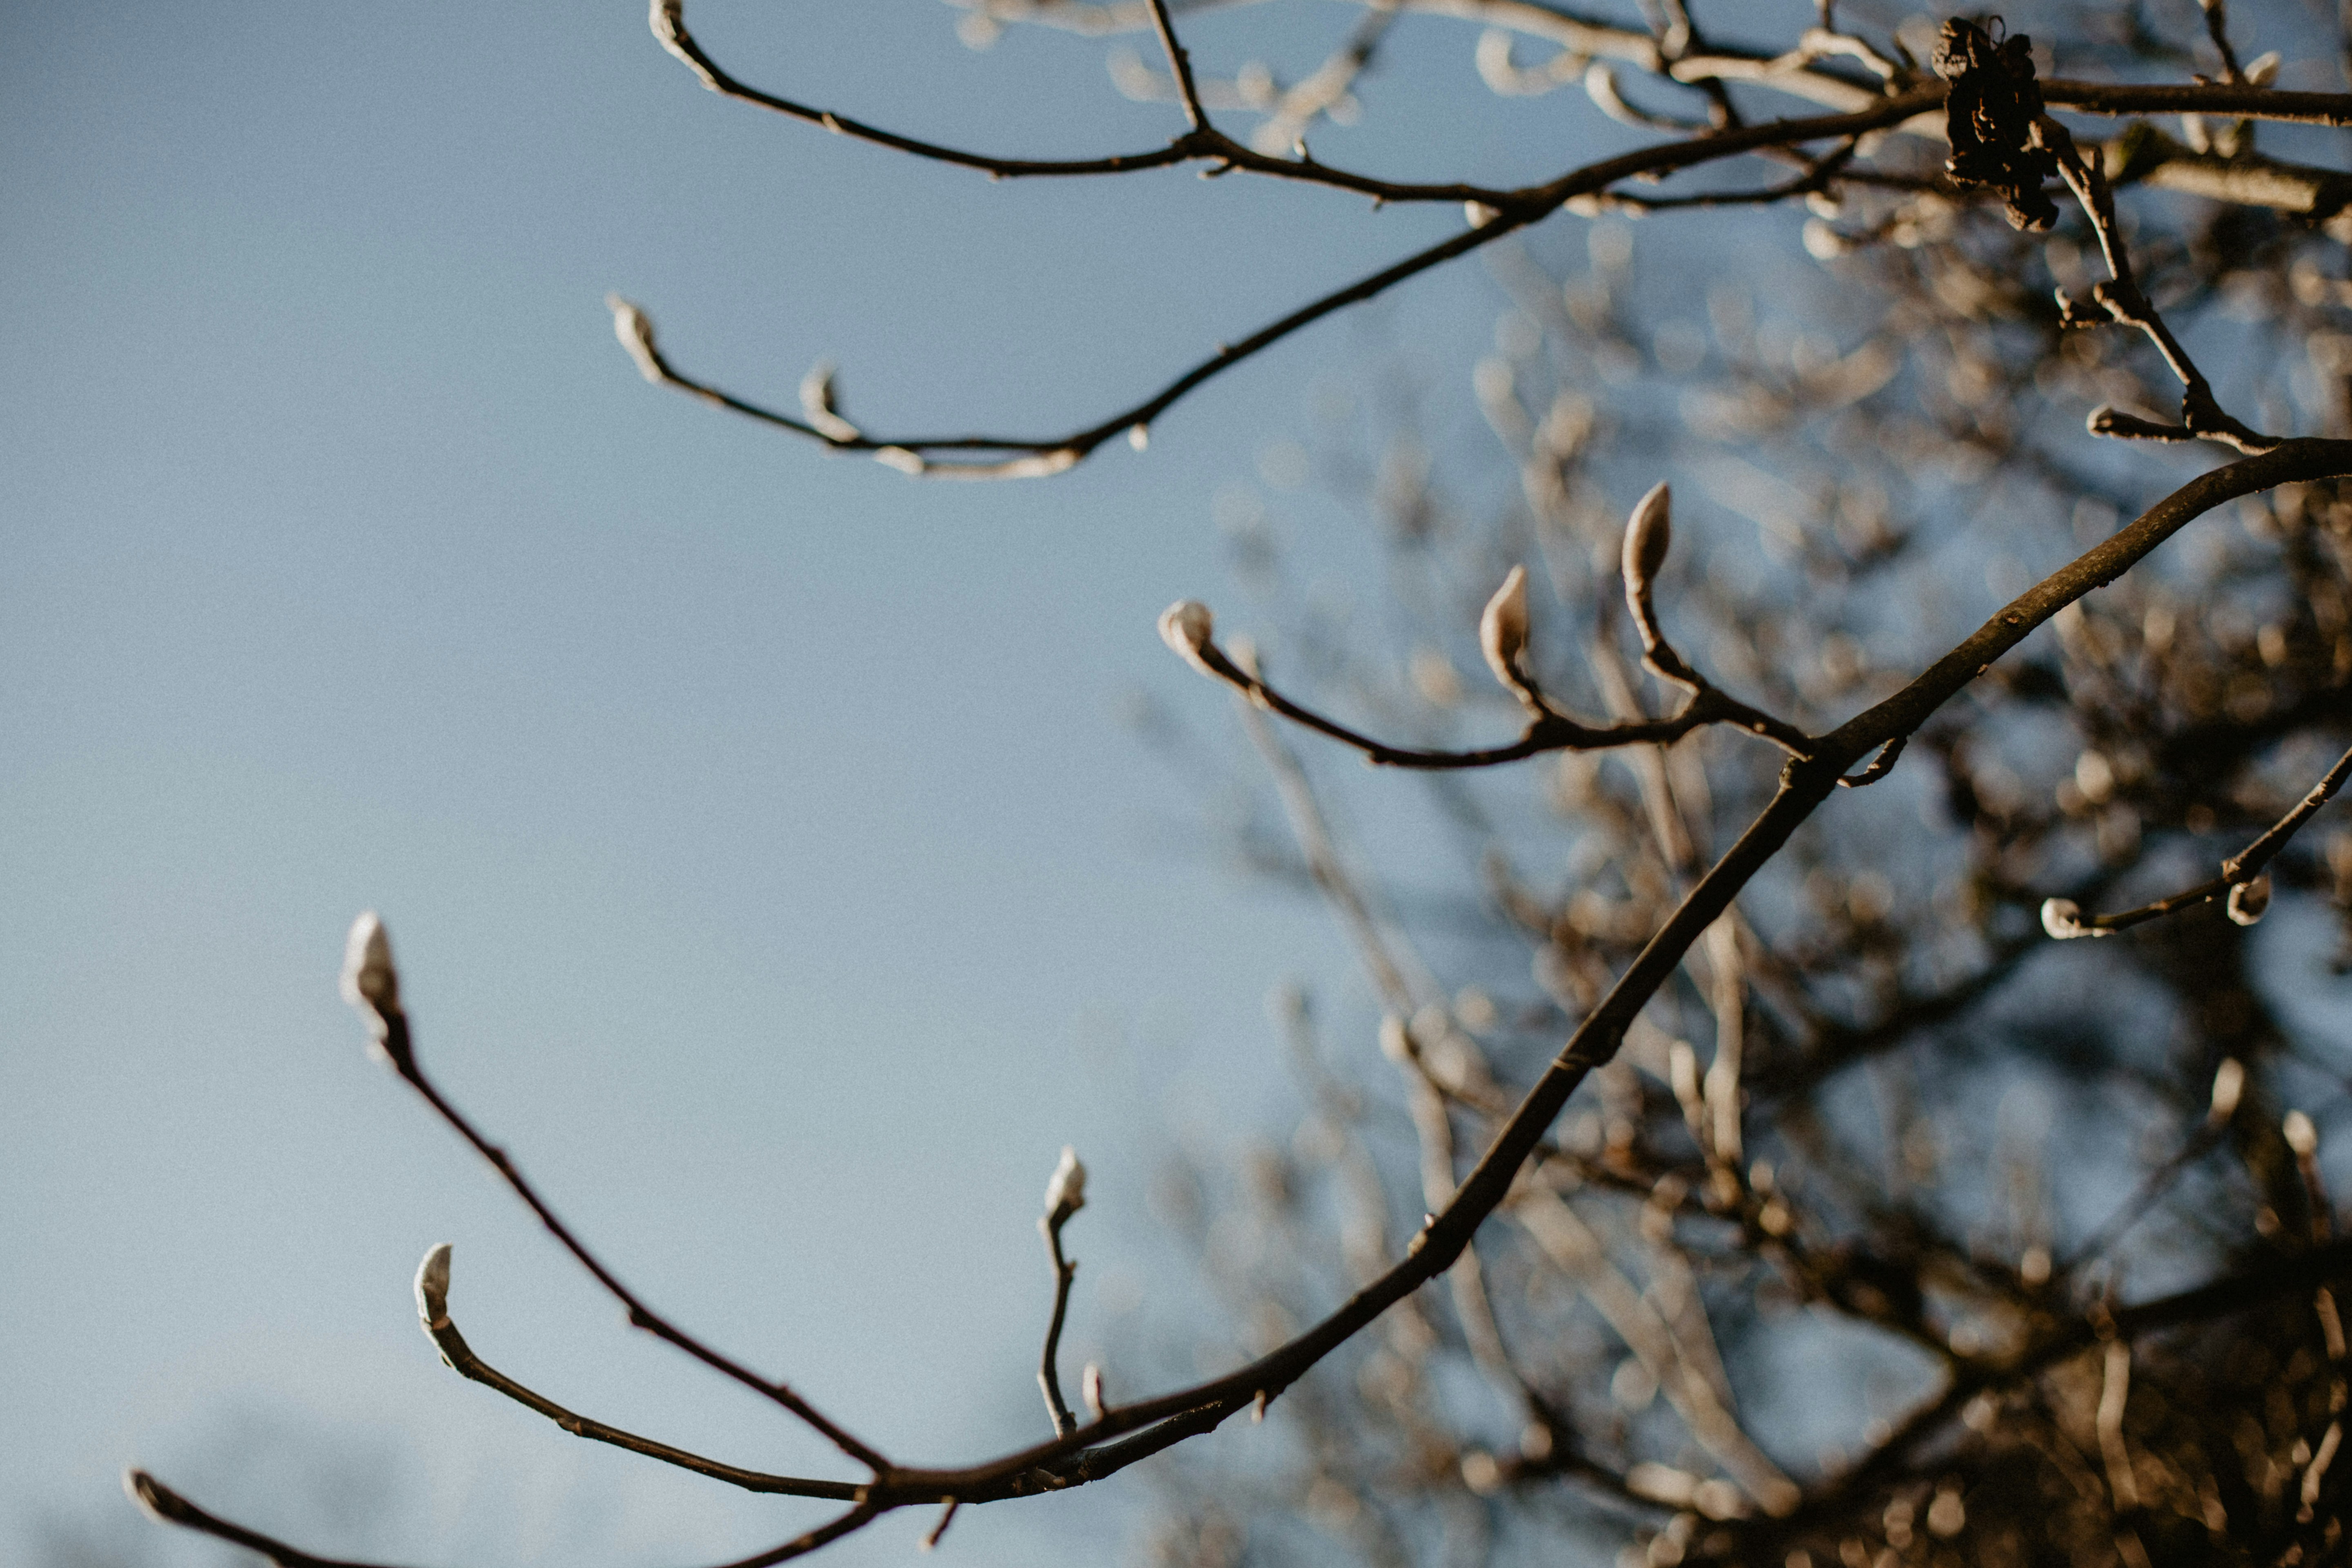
(399, 1049)
(1049, 1374)
(1180, 63)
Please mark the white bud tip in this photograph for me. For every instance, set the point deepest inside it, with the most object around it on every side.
(1139, 436)
(2249, 899)
(636, 332)
(667, 19)
(2229, 1083)
(1649, 535)
(1065, 1194)
(1186, 626)
(2063, 919)
(1503, 629)
(433, 1289)
(1479, 215)
(370, 982)
(2301, 1135)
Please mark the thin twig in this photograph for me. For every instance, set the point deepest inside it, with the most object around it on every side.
(2236, 871)
(1049, 1374)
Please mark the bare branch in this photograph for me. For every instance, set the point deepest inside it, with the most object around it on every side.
(433, 1302)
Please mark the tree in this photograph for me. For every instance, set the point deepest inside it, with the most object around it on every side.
(1883, 984)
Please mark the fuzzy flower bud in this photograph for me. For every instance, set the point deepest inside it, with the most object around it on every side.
(1649, 535)
(2229, 1083)
(1065, 1194)
(636, 331)
(370, 982)
(2249, 899)
(1186, 626)
(433, 1289)
(2302, 1137)
(1503, 629)
(2063, 919)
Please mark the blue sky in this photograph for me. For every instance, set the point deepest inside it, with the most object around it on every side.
(766, 861)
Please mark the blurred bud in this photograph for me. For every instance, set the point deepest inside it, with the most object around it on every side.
(156, 1501)
(820, 405)
(1503, 629)
(1186, 626)
(1139, 436)
(433, 1289)
(1090, 1386)
(2262, 69)
(2229, 1082)
(2301, 1135)
(1649, 535)
(636, 330)
(1065, 1194)
(370, 982)
(1396, 1044)
(2063, 919)
(1479, 215)
(2249, 899)
(1482, 1472)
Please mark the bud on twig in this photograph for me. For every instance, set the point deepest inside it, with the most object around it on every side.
(2302, 1137)
(818, 406)
(1186, 626)
(1503, 630)
(2229, 1082)
(370, 982)
(2249, 899)
(2063, 919)
(433, 1289)
(1065, 1194)
(1649, 535)
(636, 332)
(1090, 1385)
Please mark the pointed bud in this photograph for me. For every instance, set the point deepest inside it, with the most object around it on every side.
(1186, 626)
(2302, 1137)
(433, 1289)
(818, 406)
(636, 331)
(2229, 1083)
(1090, 1385)
(668, 21)
(2063, 919)
(2249, 899)
(370, 982)
(2262, 69)
(1503, 629)
(153, 1499)
(1065, 1194)
(1649, 535)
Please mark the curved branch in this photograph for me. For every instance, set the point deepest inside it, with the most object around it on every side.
(2063, 919)
(399, 1049)
(1505, 213)
(1549, 731)
(168, 1506)
(462, 1360)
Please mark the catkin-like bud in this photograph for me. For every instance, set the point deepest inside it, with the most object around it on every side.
(636, 331)
(370, 982)
(433, 1289)
(2249, 899)
(1065, 1194)
(1186, 626)
(2229, 1083)
(1649, 535)
(1503, 629)
(2063, 919)
(2302, 1137)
